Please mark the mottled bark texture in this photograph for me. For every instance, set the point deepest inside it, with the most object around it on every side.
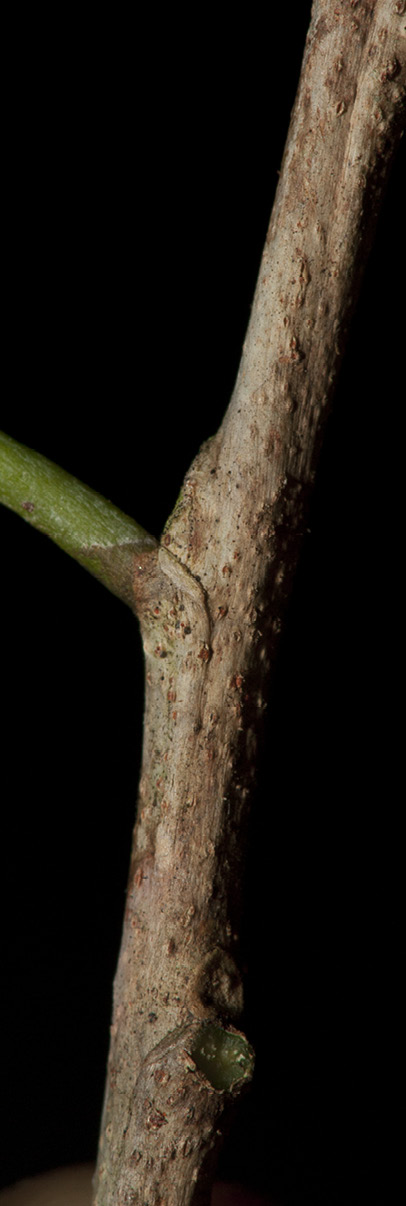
(210, 605)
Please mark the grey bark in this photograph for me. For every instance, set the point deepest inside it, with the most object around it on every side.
(211, 602)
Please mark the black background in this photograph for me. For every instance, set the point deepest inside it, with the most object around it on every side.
(140, 173)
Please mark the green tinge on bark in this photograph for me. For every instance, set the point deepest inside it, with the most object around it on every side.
(83, 523)
(224, 1056)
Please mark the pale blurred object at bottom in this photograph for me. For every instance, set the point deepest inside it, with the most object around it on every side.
(73, 1187)
(70, 1186)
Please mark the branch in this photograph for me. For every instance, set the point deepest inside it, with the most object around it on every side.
(83, 523)
(211, 628)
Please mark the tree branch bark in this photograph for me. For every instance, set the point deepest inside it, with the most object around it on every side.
(211, 603)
